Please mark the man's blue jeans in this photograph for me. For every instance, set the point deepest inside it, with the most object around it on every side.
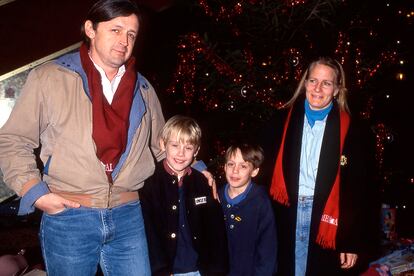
(303, 220)
(75, 241)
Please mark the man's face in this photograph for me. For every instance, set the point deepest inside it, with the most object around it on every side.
(112, 42)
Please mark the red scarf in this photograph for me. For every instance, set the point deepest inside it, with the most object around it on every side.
(329, 222)
(109, 122)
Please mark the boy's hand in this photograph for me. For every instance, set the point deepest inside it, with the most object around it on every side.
(211, 182)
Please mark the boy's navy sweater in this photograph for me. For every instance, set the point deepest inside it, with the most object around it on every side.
(159, 198)
(251, 234)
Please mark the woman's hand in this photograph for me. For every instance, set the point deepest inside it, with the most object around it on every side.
(348, 260)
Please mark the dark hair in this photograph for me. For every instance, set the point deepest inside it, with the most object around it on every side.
(105, 10)
(250, 153)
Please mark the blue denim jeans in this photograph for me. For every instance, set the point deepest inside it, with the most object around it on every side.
(75, 241)
(303, 220)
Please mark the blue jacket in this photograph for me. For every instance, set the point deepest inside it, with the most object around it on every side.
(251, 234)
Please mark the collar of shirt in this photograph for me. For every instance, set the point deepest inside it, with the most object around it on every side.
(316, 115)
(240, 197)
(109, 87)
(170, 171)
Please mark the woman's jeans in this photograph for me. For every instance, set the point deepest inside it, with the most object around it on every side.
(303, 220)
(76, 240)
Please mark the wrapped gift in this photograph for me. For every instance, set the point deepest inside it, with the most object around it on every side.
(397, 262)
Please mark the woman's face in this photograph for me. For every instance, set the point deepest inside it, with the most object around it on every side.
(320, 86)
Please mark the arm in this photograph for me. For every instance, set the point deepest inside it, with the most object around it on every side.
(18, 139)
(217, 237)
(266, 259)
(157, 122)
(149, 199)
(201, 167)
(360, 211)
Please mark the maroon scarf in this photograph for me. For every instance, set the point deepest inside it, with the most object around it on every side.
(109, 122)
(329, 222)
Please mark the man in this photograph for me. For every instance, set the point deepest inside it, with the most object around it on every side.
(97, 121)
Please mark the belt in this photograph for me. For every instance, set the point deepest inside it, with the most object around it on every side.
(94, 201)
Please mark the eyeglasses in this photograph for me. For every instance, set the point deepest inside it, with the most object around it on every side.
(325, 84)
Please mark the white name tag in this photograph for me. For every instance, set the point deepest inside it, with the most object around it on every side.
(200, 200)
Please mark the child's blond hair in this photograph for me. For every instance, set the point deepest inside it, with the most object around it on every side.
(186, 129)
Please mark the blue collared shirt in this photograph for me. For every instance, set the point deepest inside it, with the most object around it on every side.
(309, 155)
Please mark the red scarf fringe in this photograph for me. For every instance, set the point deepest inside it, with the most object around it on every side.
(328, 226)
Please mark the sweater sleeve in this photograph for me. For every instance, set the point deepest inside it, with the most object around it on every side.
(360, 212)
(217, 239)
(157, 254)
(266, 260)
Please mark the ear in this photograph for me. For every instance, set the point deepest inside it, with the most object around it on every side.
(254, 172)
(196, 152)
(89, 31)
(336, 92)
(162, 145)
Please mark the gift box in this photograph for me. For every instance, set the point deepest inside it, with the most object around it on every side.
(396, 263)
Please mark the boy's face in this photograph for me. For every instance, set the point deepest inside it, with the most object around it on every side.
(238, 171)
(179, 155)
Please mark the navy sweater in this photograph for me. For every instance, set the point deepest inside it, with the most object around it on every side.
(251, 234)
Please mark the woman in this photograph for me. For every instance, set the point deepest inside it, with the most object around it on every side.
(319, 179)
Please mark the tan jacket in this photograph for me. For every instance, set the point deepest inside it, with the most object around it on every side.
(55, 110)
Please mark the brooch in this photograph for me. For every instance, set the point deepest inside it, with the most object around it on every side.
(344, 160)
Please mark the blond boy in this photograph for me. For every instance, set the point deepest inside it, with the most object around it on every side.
(184, 223)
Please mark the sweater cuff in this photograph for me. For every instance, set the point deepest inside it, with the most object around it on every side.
(28, 200)
(199, 166)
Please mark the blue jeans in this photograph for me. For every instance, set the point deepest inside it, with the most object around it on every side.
(303, 220)
(75, 241)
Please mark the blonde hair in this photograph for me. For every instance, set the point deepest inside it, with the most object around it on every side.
(186, 128)
(341, 97)
(250, 153)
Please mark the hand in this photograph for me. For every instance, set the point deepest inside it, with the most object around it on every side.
(211, 182)
(348, 260)
(52, 203)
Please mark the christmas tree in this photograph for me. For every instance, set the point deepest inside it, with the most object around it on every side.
(238, 61)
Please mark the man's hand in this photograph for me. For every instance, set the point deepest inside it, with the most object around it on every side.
(348, 260)
(211, 182)
(53, 203)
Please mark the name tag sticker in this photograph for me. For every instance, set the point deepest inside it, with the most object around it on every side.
(200, 200)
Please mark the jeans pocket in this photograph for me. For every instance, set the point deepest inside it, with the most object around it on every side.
(60, 213)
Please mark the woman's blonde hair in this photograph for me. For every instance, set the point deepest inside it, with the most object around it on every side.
(341, 96)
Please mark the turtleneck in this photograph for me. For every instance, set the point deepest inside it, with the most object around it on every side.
(316, 115)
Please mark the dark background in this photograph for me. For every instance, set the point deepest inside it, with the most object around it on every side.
(32, 29)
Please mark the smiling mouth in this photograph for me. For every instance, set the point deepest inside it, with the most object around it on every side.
(317, 96)
(179, 161)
